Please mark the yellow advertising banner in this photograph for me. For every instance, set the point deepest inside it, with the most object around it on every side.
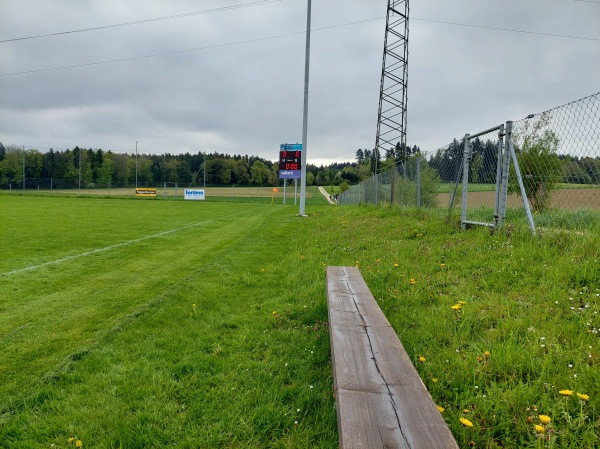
(145, 192)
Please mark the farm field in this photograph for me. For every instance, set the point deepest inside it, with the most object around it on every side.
(265, 193)
(153, 324)
(560, 199)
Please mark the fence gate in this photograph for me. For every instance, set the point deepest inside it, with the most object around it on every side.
(486, 164)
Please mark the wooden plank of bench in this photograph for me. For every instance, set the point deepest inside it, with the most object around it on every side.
(380, 399)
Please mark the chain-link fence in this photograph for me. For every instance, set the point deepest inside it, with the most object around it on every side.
(411, 183)
(542, 171)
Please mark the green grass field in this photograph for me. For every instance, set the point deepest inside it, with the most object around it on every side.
(131, 323)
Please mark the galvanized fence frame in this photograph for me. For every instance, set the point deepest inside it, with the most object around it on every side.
(546, 165)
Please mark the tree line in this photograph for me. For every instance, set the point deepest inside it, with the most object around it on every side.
(89, 168)
(96, 167)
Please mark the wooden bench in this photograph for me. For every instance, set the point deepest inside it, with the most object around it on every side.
(381, 401)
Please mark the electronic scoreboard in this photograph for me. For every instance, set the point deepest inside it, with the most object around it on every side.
(290, 161)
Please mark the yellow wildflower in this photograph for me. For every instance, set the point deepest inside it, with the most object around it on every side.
(71, 440)
(442, 265)
(412, 281)
(465, 422)
(422, 359)
(566, 392)
(583, 397)
(487, 354)
(544, 419)
(440, 408)
(395, 265)
(434, 380)
(456, 307)
(462, 303)
(539, 429)
(79, 443)
(466, 410)
(193, 305)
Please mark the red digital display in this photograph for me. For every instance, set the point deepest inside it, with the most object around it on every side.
(290, 160)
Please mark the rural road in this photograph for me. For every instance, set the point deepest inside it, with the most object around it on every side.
(326, 195)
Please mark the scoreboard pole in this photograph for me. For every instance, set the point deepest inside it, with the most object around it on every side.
(305, 118)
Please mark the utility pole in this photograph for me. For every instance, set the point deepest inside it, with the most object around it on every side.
(23, 167)
(305, 117)
(136, 163)
(79, 168)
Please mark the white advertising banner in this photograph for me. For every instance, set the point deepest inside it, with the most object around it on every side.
(193, 194)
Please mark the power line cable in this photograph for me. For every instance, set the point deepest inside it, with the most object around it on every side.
(508, 29)
(208, 47)
(139, 22)
(278, 36)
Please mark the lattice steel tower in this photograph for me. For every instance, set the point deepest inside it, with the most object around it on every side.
(391, 120)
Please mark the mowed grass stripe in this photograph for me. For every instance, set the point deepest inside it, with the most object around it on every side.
(58, 310)
(108, 248)
(226, 373)
(88, 225)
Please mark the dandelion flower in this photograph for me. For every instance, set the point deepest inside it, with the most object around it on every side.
(274, 312)
(487, 354)
(466, 410)
(395, 265)
(544, 419)
(422, 360)
(434, 380)
(539, 429)
(566, 392)
(79, 443)
(465, 422)
(462, 303)
(583, 397)
(71, 440)
(442, 265)
(456, 307)
(440, 408)
(412, 281)
(193, 305)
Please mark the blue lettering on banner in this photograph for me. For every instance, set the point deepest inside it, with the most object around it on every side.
(192, 194)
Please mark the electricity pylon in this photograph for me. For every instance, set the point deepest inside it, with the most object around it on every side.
(391, 119)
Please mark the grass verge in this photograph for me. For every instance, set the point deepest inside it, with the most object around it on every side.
(216, 336)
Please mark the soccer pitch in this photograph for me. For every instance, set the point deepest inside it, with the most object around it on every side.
(132, 323)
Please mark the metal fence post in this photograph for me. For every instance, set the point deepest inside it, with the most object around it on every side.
(505, 170)
(522, 187)
(418, 176)
(466, 160)
(498, 176)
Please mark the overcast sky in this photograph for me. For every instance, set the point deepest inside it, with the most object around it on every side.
(239, 88)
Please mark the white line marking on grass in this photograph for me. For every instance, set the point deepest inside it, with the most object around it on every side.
(118, 245)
